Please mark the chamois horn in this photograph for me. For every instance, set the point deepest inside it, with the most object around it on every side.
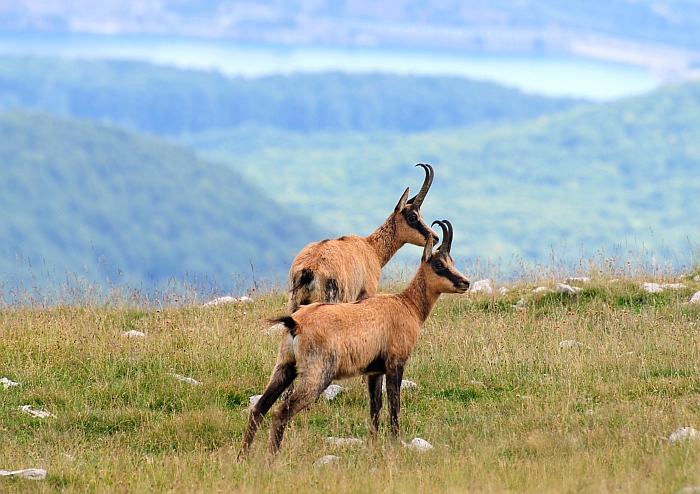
(417, 200)
(447, 231)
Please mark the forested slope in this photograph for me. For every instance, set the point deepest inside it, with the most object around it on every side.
(594, 177)
(75, 195)
(168, 101)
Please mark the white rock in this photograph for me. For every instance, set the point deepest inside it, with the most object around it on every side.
(695, 299)
(42, 414)
(221, 300)
(25, 473)
(683, 434)
(134, 334)
(254, 399)
(582, 279)
(343, 441)
(563, 287)
(659, 287)
(6, 383)
(275, 328)
(485, 285)
(405, 384)
(693, 489)
(418, 444)
(696, 277)
(325, 460)
(186, 379)
(332, 391)
(503, 290)
(569, 343)
(540, 289)
(227, 300)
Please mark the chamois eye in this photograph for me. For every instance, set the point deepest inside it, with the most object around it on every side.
(413, 218)
(439, 265)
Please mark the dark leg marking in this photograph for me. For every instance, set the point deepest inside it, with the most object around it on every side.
(374, 389)
(282, 377)
(393, 393)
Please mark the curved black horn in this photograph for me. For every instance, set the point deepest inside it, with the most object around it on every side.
(417, 200)
(447, 232)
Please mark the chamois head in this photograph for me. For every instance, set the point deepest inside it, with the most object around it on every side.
(410, 225)
(443, 275)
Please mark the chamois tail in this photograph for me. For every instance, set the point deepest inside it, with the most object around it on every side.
(288, 322)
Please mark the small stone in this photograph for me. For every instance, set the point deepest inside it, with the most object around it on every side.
(186, 379)
(540, 289)
(6, 383)
(42, 414)
(134, 334)
(582, 279)
(695, 299)
(569, 343)
(275, 329)
(343, 441)
(405, 384)
(332, 391)
(563, 287)
(503, 290)
(325, 460)
(683, 434)
(25, 473)
(254, 399)
(418, 444)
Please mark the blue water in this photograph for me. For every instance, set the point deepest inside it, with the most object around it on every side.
(547, 75)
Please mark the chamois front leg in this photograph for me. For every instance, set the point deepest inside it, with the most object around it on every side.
(374, 388)
(282, 377)
(393, 394)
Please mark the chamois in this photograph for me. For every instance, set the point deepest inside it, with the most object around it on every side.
(348, 268)
(371, 337)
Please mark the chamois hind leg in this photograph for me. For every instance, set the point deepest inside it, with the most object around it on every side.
(374, 389)
(307, 389)
(393, 394)
(282, 377)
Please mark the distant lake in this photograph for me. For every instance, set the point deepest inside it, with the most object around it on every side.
(546, 74)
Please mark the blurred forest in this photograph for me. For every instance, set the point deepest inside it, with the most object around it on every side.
(286, 160)
(79, 198)
(168, 101)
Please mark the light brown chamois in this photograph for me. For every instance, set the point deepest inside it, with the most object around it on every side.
(371, 337)
(348, 268)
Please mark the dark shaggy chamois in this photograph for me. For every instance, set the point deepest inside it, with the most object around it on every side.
(371, 337)
(348, 268)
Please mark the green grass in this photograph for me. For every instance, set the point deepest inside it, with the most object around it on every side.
(506, 408)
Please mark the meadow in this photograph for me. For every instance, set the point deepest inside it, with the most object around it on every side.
(517, 391)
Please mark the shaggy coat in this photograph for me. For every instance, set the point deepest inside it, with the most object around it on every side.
(348, 268)
(371, 337)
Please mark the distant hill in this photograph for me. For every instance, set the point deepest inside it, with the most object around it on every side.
(171, 102)
(76, 195)
(594, 180)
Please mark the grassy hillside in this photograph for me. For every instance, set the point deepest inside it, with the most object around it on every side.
(76, 195)
(169, 101)
(522, 392)
(617, 176)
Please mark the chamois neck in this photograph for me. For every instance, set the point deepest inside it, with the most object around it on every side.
(419, 296)
(383, 240)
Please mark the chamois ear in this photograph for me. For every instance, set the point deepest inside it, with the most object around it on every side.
(402, 201)
(428, 249)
